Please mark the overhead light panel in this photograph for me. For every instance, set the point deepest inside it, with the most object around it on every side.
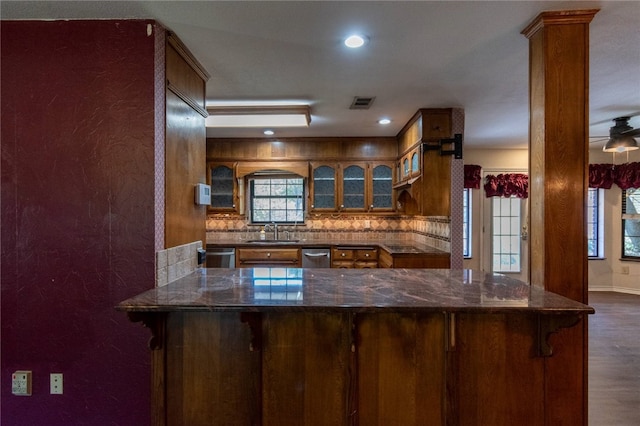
(259, 116)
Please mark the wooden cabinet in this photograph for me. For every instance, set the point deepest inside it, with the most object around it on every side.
(411, 164)
(268, 257)
(347, 257)
(414, 260)
(420, 162)
(323, 187)
(351, 187)
(224, 194)
(184, 144)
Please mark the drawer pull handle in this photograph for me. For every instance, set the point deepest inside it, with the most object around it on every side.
(268, 254)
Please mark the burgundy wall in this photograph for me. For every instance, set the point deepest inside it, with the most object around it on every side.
(77, 206)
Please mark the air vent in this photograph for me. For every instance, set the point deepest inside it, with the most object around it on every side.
(362, 102)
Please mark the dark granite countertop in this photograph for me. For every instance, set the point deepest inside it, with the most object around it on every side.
(395, 247)
(350, 290)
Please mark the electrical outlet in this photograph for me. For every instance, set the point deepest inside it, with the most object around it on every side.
(367, 224)
(56, 383)
(21, 383)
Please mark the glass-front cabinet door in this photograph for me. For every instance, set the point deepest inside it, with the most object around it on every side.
(223, 188)
(415, 162)
(323, 188)
(353, 188)
(381, 188)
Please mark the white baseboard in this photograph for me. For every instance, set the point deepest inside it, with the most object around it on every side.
(616, 290)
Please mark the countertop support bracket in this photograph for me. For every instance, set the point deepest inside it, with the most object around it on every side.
(154, 322)
(254, 321)
(550, 324)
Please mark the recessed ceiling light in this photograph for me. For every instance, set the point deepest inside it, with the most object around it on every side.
(354, 41)
(384, 121)
(269, 132)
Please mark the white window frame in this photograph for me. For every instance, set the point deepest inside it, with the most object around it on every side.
(595, 225)
(467, 224)
(506, 232)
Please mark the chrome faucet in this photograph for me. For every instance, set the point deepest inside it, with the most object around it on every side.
(275, 229)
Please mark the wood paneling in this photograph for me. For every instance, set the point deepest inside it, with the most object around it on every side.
(497, 379)
(306, 149)
(401, 368)
(202, 381)
(306, 369)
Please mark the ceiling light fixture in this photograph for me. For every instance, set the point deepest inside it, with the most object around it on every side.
(618, 141)
(269, 132)
(384, 121)
(355, 41)
(259, 116)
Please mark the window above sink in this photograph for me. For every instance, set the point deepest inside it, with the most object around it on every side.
(277, 198)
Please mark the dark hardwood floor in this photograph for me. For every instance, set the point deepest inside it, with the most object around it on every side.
(614, 359)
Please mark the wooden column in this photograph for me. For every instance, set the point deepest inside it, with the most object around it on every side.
(558, 172)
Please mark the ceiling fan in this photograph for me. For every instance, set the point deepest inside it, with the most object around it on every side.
(621, 137)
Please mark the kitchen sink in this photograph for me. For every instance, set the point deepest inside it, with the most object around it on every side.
(272, 241)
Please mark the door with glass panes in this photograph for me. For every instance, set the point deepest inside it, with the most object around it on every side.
(505, 236)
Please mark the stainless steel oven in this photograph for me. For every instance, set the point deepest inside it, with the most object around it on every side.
(317, 257)
(221, 257)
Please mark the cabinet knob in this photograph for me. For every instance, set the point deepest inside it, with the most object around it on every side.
(366, 255)
(268, 254)
(342, 254)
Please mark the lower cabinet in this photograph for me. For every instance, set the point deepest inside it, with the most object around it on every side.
(414, 260)
(373, 369)
(354, 257)
(268, 257)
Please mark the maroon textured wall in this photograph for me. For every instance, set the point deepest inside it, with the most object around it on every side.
(77, 210)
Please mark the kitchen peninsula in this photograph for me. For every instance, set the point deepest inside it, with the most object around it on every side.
(292, 346)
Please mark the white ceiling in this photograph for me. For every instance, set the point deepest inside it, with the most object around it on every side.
(421, 54)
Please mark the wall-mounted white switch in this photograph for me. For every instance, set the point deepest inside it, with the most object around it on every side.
(21, 383)
(56, 383)
(367, 224)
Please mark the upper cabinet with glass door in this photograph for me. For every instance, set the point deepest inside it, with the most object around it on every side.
(221, 177)
(323, 187)
(352, 187)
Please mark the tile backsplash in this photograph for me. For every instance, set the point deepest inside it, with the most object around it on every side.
(431, 230)
(176, 262)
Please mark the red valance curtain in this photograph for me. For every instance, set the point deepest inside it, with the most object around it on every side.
(472, 176)
(507, 185)
(624, 175)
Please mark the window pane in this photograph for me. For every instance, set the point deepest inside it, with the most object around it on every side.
(631, 223)
(506, 234)
(277, 200)
(594, 233)
(466, 222)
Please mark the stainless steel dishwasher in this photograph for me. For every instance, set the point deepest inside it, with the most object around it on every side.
(221, 257)
(317, 257)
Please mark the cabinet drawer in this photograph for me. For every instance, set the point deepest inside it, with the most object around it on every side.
(365, 265)
(341, 254)
(366, 254)
(344, 264)
(269, 255)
